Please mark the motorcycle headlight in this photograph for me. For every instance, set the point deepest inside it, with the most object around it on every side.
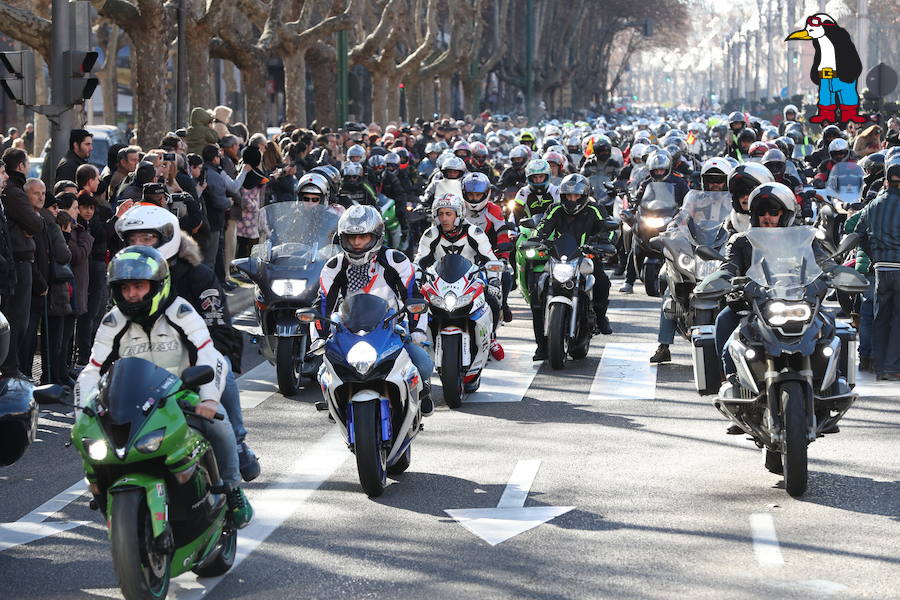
(778, 313)
(686, 262)
(586, 267)
(97, 449)
(655, 222)
(362, 356)
(150, 443)
(563, 272)
(288, 287)
(530, 253)
(450, 301)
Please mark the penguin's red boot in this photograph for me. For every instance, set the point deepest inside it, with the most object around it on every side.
(826, 114)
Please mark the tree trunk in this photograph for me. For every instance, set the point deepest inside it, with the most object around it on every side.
(393, 100)
(295, 86)
(253, 78)
(150, 100)
(413, 100)
(379, 97)
(323, 70)
(446, 99)
(471, 88)
(426, 93)
(200, 91)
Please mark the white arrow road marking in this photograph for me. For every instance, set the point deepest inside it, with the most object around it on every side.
(507, 380)
(625, 373)
(765, 540)
(32, 527)
(510, 517)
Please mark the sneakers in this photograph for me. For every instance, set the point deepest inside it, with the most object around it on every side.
(540, 353)
(426, 403)
(627, 288)
(249, 464)
(603, 326)
(865, 364)
(661, 355)
(507, 314)
(240, 513)
(497, 352)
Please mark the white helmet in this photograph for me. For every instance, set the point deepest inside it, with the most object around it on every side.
(356, 220)
(447, 200)
(152, 219)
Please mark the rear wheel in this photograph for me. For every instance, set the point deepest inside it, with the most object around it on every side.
(794, 460)
(142, 570)
(223, 556)
(651, 279)
(558, 325)
(288, 365)
(370, 452)
(451, 370)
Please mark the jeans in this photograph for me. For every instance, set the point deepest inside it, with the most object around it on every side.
(231, 401)
(420, 358)
(17, 310)
(866, 320)
(886, 338)
(210, 247)
(834, 91)
(87, 323)
(221, 438)
(726, 323)
(666, 325)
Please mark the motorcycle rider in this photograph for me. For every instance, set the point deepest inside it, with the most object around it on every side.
(479, 162)
(822, 153)
(514, 175)
(452, 168)
(741, 182)
(365, 265)
(452, 234)
(150, 321)
(740, 150)
(526, 138)
(429, 162)
(790, 116)
(736, 123)
(537, 196)
(776, 162)
(601, 161)
(586, 221)
(838, 151)
(355, 189)
(384, 182)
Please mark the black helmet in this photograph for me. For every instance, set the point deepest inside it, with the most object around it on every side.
(574, 184)
(746, 135)
(136, 263)
(775, 161)
(786, 145)
(737, 117)
(891, 170)
(744, 179)
(829, 133)
(873, 165)
(602, 148)
(773, 196)
(331, 174)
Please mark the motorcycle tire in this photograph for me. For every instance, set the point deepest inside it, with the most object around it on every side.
(131, 543)
(651, 279)
(371, 455)
(556, 335)
(222, 558)
(794, 459)
(582, 344)
(773, 462)
(451, 370)
(288, 366)
(402, 463)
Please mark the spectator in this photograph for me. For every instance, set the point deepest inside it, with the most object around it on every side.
(218, 184)
(132, 187)
(230, 158)
(11, 135)
(28, 136)
(81, 142)
(251, 200)
(221, 120)
(199, 134)
(80, 242)
(64, 185)
(24, 223)
(126, 163)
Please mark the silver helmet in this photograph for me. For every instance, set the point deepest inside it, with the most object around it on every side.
(360, 220)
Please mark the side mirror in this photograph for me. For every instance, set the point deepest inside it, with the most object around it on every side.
(49, 394)
(307, 315)
(248, 266)
(707, 253)
(528, 223)
(317, 348)
(850, 241)
(193, 377)
(494, 266)
(416, 306)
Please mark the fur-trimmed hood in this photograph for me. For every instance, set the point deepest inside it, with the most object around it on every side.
(189, 250)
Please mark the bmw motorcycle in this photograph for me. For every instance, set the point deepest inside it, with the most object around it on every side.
(460, 324)
(796, 366)
(153, 476)
(654, 212)
(370, 385)
(286, 268)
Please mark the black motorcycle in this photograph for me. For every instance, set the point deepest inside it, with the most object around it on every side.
(286, 268)
(655, 210)
(795, 365)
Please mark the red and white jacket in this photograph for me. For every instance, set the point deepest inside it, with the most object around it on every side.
(490, 219)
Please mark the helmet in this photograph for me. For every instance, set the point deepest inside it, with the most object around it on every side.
(447, 200)
(462, 149)
(643, 123)
(352, 175)
(770, 134)
(519, 155)
(831, 132)
(575, 183)
(555, 158)
(441, 146)
(453, 163)
(313, 184)
(479, 152)
(659, 161)
(356, 153)
(795, 133)
(637, 153)
(839, 150)
(758, 149)
(548, 142)
(746, 135)
(573, 145)
(331, 174)
(152, 219)
(139, 263)
(771, 196)
(431, 147)
(392, 161)
(662, 129)
(538, 166)
(377, 166)
(714, 170)
(744, 179)
(602, 147)
(358, 220)
(526, 138)
(786, 145)
(476, 183)
(736, 117)
(790, 108)
(774, 161)
(873, 164)
(891, 170)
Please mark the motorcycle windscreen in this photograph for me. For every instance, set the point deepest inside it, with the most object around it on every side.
(783, 260)
(565, 245)
(298, 232)
(659, 197)
(452, 267)
(129, 385)
(702, 214)
(364, 312)
(638, 174)
(846, 181)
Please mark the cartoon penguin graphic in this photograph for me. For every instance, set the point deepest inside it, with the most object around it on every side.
(835, 69)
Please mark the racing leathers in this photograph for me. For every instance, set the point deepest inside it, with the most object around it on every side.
(490, 219)
(529, 204)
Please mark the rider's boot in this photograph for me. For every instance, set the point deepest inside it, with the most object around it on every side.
(425, 402)
(240, 513)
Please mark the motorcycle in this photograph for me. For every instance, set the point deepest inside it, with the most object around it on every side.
(654, 212)
(796, 366)
(370, 385)
(153, 476)
(530, 260)
(18, 409)
(285, 269)
(393, 233)
(460, 324)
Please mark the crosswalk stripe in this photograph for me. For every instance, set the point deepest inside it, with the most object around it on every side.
(625, 373)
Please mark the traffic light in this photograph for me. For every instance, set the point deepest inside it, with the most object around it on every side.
(80, 83)
(18, 80)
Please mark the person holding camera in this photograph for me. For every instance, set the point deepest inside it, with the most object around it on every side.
(218, 186)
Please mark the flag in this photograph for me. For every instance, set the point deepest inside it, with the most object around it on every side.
(590, 147)
(691, 139)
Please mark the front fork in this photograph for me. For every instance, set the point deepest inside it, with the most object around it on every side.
(774, 403)
(387, 432)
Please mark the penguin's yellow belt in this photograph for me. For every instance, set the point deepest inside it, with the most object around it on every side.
(827, 74)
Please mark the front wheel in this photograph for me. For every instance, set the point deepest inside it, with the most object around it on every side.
(288, 365)
(142, 570)
(557, 335)
(651, 279)
(371, 456)
(451, 370)
(402, 463)
(794, 460)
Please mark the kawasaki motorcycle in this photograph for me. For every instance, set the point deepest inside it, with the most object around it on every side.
(461, 322)
(285, 268)
(392, 232)
(796, 366)
(370, 385)
(153, 476)
(656, 209)
(530, 259)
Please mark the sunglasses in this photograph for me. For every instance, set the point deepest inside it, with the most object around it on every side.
(817, 22)
(771, 212)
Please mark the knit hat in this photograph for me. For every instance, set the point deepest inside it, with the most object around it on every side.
(251, 156)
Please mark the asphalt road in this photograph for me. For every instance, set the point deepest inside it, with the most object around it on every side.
(654, 499)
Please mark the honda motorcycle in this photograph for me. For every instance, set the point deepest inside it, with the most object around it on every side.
(796, 366)
(370, 385)
(286, 268)
(461, 322)
(656, 209)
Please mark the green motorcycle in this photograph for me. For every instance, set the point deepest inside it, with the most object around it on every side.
(530, 262)
(152, 476)
(392, 230)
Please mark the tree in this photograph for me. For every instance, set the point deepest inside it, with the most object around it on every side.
(21, 21)
(107, 35)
